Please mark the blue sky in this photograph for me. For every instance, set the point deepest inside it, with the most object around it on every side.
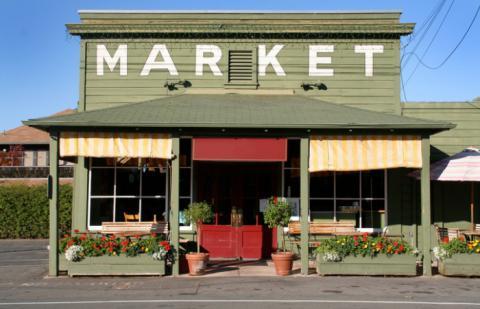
(39, 61)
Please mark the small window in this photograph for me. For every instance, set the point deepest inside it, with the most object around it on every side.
(241, 69)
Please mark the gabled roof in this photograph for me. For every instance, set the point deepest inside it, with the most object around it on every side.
(24, 135)
(237, 111)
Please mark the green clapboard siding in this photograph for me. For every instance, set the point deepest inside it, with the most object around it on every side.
(348, 86)
(466, 115)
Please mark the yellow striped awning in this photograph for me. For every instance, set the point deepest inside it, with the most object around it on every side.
(115, 145)
(357, 153)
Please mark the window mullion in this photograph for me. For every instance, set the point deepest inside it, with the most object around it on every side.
(114, 190)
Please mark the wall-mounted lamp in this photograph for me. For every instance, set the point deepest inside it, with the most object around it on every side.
(173, 85)
(311, 86)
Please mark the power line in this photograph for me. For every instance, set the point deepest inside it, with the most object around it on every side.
(428, 23)
(431, 41)
(454, 49)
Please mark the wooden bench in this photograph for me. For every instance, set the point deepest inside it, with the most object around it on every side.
(322, 229)
(134, 228)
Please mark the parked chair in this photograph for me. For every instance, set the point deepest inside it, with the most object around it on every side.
(131, 217)
(477, 227)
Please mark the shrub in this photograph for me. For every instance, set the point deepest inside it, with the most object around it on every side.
(24, 211)
(199, 212)
(277, 214)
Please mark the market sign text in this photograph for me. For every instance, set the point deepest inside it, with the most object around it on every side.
(210, 55)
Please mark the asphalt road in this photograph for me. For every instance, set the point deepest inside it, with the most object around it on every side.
(23, 266)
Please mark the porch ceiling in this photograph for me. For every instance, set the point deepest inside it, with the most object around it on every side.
(237, 111)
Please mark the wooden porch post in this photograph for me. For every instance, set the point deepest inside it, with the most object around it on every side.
(174, 205)
(426, 208)
(53, 266)
(304, 203)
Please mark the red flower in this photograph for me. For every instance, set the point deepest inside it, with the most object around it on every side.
(355, 237)
(154, 235)
(103, 238)
(401, 248)
(365, 235)
(76, 231)
(83, 237)
(112, 237)
(110, 249)
(355, 243)
(275, 200)
(124, 242)
(70, 243)
(395, 243)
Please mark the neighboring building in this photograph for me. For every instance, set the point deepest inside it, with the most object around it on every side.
(233, 108)
(24, 156)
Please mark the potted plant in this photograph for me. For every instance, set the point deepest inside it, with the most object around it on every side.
(277, 214)
(198, 213)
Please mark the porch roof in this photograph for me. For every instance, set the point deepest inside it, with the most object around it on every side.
(236, 111)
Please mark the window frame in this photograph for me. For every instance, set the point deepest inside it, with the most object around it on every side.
(115, 196)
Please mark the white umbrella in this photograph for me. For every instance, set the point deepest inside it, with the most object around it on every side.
(463, 166)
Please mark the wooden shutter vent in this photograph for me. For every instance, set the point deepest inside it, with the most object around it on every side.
(240, 66)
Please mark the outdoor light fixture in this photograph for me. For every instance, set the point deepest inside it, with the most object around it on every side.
(311, 86)
(173, 85)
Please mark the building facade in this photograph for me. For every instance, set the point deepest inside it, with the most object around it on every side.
(235, 107)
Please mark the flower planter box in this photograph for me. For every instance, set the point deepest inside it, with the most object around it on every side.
(382, 265)
(141, 265)
(465, 265)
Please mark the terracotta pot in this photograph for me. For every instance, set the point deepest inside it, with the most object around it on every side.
(283, 262)
(197, 263)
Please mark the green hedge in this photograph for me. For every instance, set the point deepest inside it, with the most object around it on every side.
(24, 211)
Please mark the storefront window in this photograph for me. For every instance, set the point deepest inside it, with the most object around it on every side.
(358, 197)
(127, 186)
(349, 196)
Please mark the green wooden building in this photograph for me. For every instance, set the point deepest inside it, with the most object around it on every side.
(235, 107)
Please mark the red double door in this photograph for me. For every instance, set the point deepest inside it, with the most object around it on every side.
(226, 241)
(234, 188)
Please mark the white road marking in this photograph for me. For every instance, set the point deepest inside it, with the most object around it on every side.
(278, 301)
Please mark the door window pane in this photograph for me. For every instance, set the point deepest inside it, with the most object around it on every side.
(124, 206)
(185, 182)
(373, 213)
(102, 181)
(128, 181)
(184, 202)
(292, 183)
(101, 210)
(293, 154)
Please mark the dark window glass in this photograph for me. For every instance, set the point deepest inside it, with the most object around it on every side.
(185, 152)
(103, 161)
(348, 184)
(153, 206)
(292, 183)
(185, 182)
(184, 202)
(102, 181)
(373, 183)
(373, 214)
(293, 153)
(124, 206)
(128, 181)
(321, 210)
(101, 210)
(153, 182)
(321, 184)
